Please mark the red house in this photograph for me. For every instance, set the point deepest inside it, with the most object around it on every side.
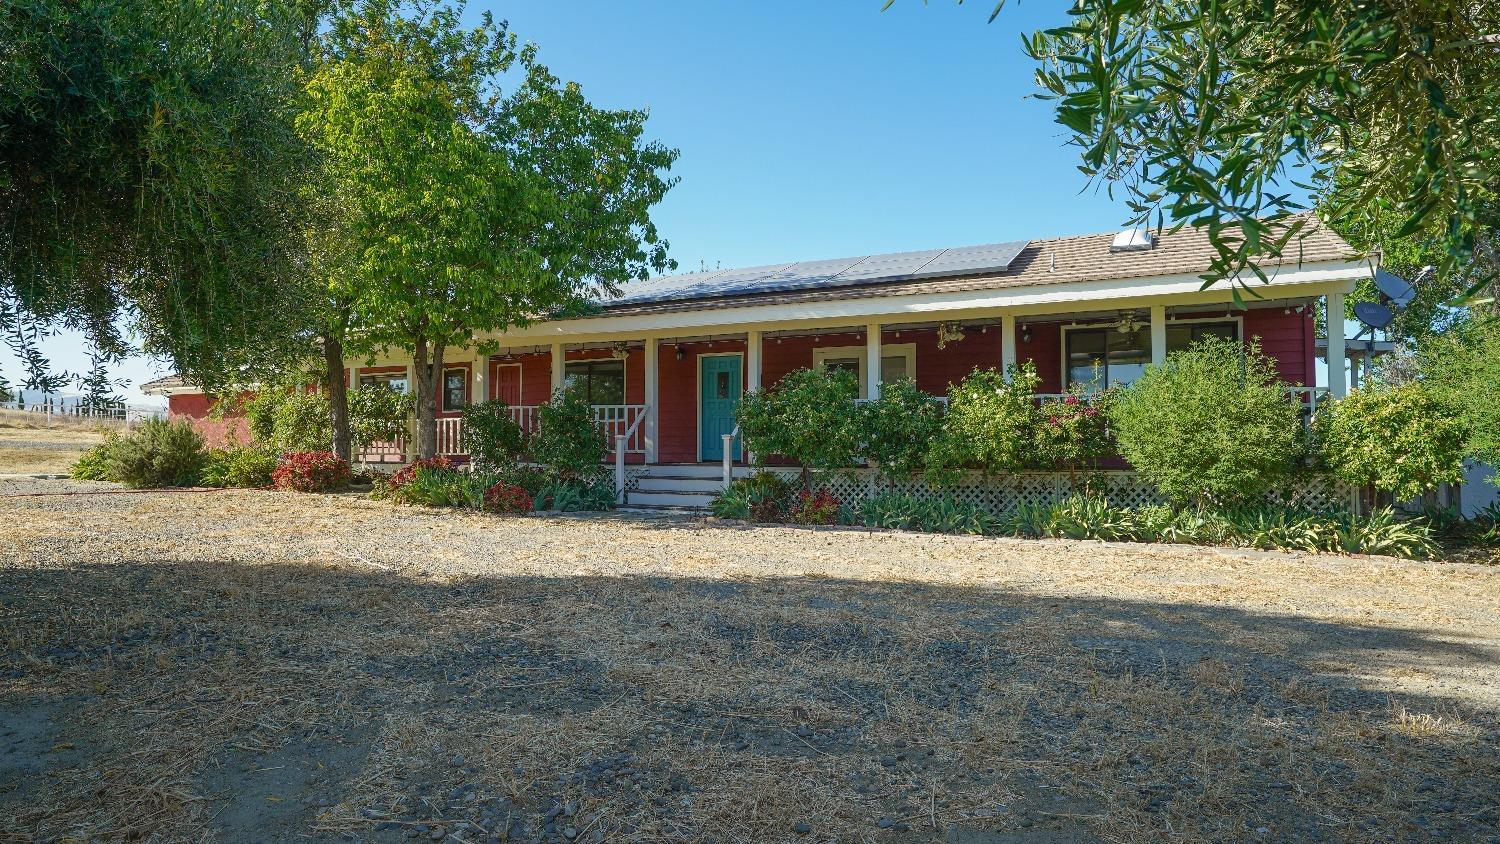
(666, 362)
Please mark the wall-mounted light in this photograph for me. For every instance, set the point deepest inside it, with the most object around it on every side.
(1025, 334)
(679, 350)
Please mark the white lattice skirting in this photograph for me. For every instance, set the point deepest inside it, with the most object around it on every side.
(1122, 488)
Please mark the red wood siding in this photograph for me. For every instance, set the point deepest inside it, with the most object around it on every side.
(217, 433)
(1287, 338)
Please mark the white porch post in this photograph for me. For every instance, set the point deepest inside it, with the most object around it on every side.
(558, 367)
(752, 361)
(872, 361)
(1158, 334)
(1007, 344)
(481, 378)
(1338, 386)
(653, 358)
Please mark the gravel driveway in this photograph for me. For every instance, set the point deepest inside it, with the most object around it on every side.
(256, 666)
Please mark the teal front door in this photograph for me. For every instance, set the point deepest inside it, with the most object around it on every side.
(718, 399)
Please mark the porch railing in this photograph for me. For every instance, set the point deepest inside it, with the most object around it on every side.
(621, 425)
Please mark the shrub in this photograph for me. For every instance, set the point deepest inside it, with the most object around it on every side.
(1073, 434)
(159, 453)
(761, 497)
(1400, 440)
(1213, 424)
(1463, 370)
(567, 441)
(505, 497)
(990, 426)
(940, 515)
(899, 428)
(239, 466)
(573, 494)
(376, 415)
(808, 417)
(93, 465)
(311, 471)
(815, 508)
(491, 436)
(290, 420)
(405, 474)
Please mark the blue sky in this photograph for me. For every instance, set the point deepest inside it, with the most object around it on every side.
(815, 129)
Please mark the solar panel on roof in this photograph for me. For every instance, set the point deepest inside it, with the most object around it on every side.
(835, 272)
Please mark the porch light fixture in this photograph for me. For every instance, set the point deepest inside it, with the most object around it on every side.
(678, 349)
(949, 332)
(1026, 334)
(620, 351)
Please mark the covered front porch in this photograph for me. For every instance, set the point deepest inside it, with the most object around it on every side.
(670, 398)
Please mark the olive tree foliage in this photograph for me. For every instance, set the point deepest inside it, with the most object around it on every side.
(149, 173)
(1463, 371)
(1401, 440)
(1212, 425)
(471, 209)
(1222, 114)
(809, 417)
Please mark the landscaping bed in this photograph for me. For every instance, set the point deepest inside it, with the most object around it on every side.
(248, 665)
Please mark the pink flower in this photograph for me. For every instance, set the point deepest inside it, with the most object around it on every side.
(1070, 400)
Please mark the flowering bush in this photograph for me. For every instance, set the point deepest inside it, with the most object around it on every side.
(507, 498)
(815, 508)
(990, 426)
(405, 474)
(1073, 434)
(311, 471)
(809, 416)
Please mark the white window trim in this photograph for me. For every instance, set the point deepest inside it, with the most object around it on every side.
(887, 350)
(1237, 319)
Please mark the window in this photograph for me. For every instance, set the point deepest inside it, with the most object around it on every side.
(391, 381)
(455, 389)
(1182, 335)
(603, 381)
(1105, 356)
(897, 361)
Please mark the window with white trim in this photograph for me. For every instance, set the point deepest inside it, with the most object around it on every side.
(897, 361)
(1107, 356)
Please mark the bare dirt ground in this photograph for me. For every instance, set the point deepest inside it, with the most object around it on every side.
(257, 666)
(32, 446)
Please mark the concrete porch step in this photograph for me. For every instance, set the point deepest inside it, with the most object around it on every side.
(693, 470)
(680, 483)
(696, 500)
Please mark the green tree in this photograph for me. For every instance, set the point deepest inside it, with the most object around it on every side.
(471, 211)
(809, 416)
(1212, 425)
(1400, 440)
(149, 168)
(1463, 371)
(1214, 114)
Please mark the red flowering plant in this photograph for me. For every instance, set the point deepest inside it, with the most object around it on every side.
(507, 498)
(405, 474)
(311, 471)
(815, 508)
(1073, 433)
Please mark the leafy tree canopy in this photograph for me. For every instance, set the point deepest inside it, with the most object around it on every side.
(471, 210)
(148, 170)
(1218, 114)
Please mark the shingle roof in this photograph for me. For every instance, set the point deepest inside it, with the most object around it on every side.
(160, 386)
(1053, 261)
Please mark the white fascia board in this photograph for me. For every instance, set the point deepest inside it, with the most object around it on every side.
(1338, 276)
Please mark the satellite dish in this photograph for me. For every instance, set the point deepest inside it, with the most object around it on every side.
(1395, 288)
(1373, 314)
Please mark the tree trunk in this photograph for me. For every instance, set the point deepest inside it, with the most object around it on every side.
(338, 395)
(428, 374)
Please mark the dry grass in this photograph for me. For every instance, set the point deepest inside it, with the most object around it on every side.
(243, 666)
(28, 444)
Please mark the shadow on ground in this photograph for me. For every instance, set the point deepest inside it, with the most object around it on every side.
(257, 702)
